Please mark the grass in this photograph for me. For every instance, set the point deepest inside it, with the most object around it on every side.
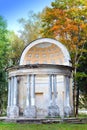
(15, 126)
(82, 115)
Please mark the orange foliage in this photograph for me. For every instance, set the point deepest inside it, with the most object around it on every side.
(66, 25)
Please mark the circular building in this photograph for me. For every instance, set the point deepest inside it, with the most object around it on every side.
(41, 85)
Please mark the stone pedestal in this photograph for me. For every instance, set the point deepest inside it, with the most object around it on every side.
(30, 112)
(67, 111)
(53, 110)
(13, 112)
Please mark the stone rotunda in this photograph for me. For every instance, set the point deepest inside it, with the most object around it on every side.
(41, 86)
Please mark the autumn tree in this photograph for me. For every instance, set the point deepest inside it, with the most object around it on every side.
(30, 27)
(66, 21)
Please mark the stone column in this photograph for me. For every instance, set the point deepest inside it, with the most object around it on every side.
(54, 89)
(9, 92)
(30, 110)
(33, 107)
(28, 98)
(71, 95)
(56, 108)
(12, 90)
(67, 108)
(15, 91)
(50, 95)
(33, 90)
(13, 109)
(9, 97)
(15, 105)
(53, 109)
(50, 89)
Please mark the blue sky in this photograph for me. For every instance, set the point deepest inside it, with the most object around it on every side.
(12, 10)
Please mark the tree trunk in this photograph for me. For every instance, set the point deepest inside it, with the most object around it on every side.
(1, 107)
(77, 101)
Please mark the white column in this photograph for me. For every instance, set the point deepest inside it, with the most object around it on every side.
(33, 90)
(12, 90)
(28, 91)
(53, 109)
(71, 93)
(67, 108)
(13, 110)
(15, 91)
(9, 92)
(50, 88)
(54, 88)
(30, 110)
(67, 84)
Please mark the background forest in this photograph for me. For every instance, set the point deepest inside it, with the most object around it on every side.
(65, 21)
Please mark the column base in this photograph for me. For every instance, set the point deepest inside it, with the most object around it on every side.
(30, 112)
(53, 110)
(71, 112)
(13, 112)
(67, 111)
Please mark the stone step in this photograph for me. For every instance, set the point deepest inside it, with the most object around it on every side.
(47, 121)
(34, 120)
(75, 121)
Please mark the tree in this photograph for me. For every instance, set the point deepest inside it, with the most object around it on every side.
(82, 79)
(11, 47)
(66, 21)
(16, 46)
(3, 63)
(30, 27)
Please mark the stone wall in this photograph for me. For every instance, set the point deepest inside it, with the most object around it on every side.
(42, 94)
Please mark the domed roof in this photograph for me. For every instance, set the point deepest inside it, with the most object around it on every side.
(45, 51)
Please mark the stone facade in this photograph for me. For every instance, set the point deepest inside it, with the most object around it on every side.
(41, 85)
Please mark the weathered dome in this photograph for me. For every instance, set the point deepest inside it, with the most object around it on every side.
(45, 51)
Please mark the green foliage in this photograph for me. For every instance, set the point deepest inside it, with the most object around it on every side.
(3, 44)
(30, 27)
(3, 95)
(16, 46)
(3, 63)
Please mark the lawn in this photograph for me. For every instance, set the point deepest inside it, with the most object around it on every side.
(14, 126)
